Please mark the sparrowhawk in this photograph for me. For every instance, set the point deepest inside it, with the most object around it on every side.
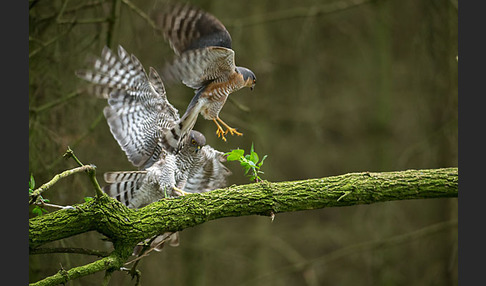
(172, 160)
(196, 168)
(146, 126)
(139, 115)
(204, 62)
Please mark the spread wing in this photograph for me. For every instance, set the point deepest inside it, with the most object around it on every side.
(200, 40)
(138, 112)
(186, 27)
(209, 176)
(197, 67)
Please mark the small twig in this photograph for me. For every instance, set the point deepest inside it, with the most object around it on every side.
(72, 10)
(83, 21)
(91, 171)
(63, 8)
(34, 52)
(37, 192)
(55, 102)
(80, 138)
(110, 262)
(142, 14)
(70, 154)
(90, 128)
(302, 12)
(115, 14)
(44, 204)
(134, 273)
(147, 248)
(107, 277)
(76, 250)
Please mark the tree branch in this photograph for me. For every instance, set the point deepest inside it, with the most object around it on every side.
(127, 226)
(77, 250)
(37, 192)
(109, 263)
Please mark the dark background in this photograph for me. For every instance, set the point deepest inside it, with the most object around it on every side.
(343, 86)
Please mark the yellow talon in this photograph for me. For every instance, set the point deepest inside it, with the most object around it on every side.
(233, 131)
(179, 192)
(221, 132)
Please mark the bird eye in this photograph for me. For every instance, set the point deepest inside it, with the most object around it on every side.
(193, 142)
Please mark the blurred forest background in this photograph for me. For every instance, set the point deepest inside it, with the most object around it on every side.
(343, 86)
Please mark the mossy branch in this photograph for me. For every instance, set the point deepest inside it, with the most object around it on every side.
(126, 227)
(111, 218)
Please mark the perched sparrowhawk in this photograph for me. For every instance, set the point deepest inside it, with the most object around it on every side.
(204, 62)
(172, 158)
(146, 126)
(196, 168)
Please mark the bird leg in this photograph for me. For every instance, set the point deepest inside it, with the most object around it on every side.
(221, 132)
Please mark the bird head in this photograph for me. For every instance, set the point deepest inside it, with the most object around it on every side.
(196, 140)
(248, 76)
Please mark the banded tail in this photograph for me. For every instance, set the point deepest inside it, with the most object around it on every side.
(124, 186)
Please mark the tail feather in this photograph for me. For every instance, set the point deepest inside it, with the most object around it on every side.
(123, 186)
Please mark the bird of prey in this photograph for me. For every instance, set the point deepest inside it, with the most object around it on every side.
(146, 126)
(196, 168)
(205, 62)
(172, 161)
(139, 115)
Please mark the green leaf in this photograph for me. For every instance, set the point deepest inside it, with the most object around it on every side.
(235, 155)
(261, 162)
(37, 210)
(248, 162)
(247, 168)
(254, 157)
(87, 199)
(31, 182)
(252, 164)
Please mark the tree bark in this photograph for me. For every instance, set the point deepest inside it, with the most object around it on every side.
(126, 227)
